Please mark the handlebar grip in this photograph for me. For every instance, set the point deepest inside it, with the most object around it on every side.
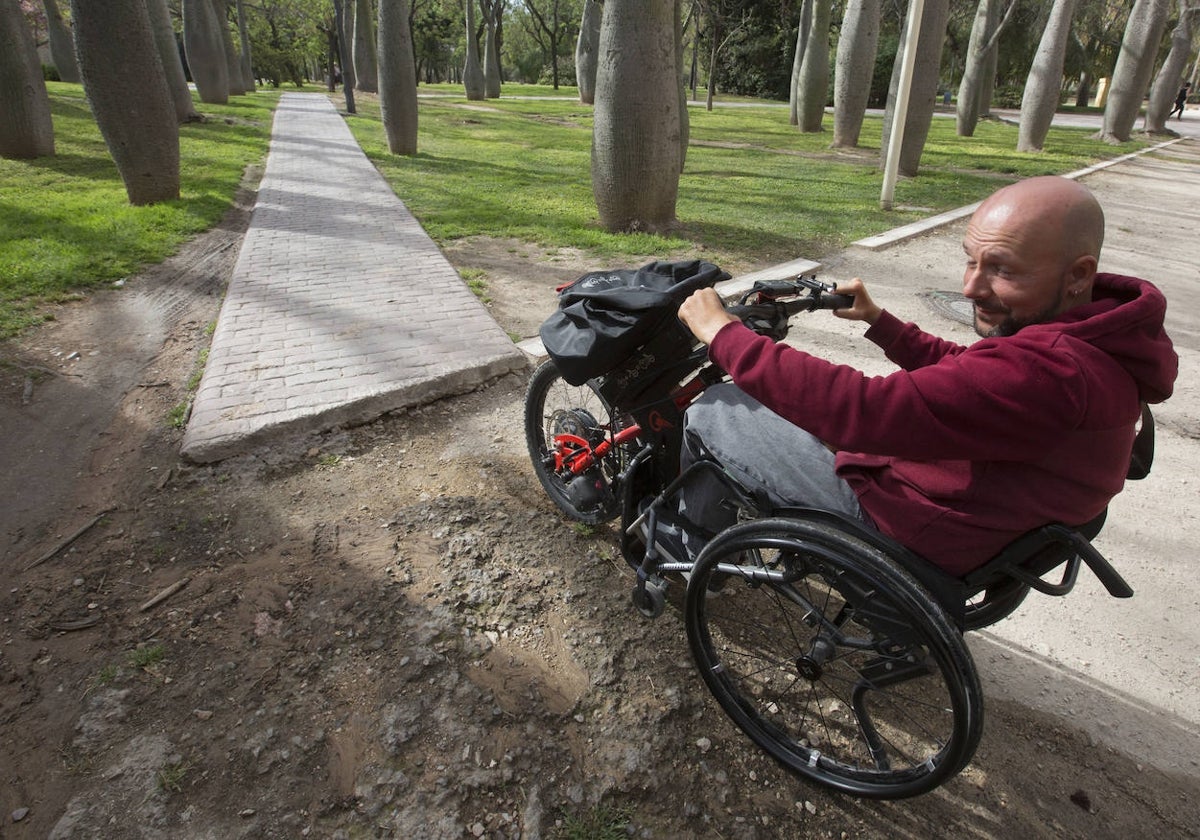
(835, 301)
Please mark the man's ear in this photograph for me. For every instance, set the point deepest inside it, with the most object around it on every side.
(1080, 275)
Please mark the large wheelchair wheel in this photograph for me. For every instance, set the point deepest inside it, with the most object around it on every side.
(563, 421)
(833, 659)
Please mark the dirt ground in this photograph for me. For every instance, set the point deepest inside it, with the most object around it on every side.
(388, 631)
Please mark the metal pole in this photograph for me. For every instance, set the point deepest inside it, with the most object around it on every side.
(900, 115)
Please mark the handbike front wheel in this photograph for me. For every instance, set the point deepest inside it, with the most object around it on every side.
(833, 659)
(562, 420)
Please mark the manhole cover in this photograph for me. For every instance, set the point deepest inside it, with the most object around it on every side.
(952, 305)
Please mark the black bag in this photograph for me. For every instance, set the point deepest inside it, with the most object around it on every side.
(605, 315)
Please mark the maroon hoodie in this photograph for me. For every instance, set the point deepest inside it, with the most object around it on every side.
(968, 447)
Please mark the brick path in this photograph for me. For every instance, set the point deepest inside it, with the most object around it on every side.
(340, 307)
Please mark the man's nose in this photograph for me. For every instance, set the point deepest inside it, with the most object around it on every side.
(975, 284)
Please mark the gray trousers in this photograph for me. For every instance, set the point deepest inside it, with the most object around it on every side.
(765, 453)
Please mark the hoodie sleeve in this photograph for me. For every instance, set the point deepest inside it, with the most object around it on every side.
(908, 345)
(1000, 401)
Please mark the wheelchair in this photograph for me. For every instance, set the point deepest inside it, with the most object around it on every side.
(837, 650)
(840, 652)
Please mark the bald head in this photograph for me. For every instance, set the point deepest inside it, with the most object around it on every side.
(1058, 215)
(1032, 253)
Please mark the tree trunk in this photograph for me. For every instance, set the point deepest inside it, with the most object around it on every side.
(397, 77)
(233, 64)
(244, 38)
(855, 64)
(803, 28)
(472, 71)
(205, 51)
(366, 66)
(1170, 77)
(491, 52)
(586, 50)
(1084, 93)
(924, 88)
(126, 87)
(980, 51)
(340, 17)
(685, 120)
(1135, 65)
(714, 30)
(26, 131)
(168, 54)
(987, 83)
(1043, 87)
(813, 89)
(635, 139)
(62, 45)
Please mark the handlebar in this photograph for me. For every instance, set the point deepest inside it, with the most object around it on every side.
(777, 300)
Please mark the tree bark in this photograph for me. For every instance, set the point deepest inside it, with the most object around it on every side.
(344, 58)
(473, 71)
(987, 83)
(685, 120)
(1171, 75)
(1135, 65)
(855, 65)
(586, 50)
(803, 28)
(26, 130)
(366, 66)
(205, 51)
(924, 88)
(1043, 87)
(127, 89)
(244, 37)
(491, 50)
(233, 64)
(981, 49)
(635, 136)
(62, 44)
(397, 77)
(813, 88)
(168, 54)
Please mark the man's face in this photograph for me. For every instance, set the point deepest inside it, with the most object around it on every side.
(1014, 275)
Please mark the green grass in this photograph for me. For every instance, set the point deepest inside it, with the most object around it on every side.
(66, 224)
(169, 778)
(146, 657)
(597, 823)
(754, 190)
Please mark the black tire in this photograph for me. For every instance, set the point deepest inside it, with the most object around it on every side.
(998, 601)
(833, 659)
(554, 406)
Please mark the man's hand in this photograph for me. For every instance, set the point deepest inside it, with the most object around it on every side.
(704, 314)
(864, 309)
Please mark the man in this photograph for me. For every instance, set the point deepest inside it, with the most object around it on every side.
(966, 447)
(1180, 100)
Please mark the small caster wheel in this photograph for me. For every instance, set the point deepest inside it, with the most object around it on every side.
(650, 600)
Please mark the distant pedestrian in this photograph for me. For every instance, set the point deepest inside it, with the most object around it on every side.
(1181, 100)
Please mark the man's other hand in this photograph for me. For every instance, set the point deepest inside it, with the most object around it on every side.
(864, 309)
(704, 314)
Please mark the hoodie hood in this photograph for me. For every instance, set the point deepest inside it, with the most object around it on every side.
(1125, 320)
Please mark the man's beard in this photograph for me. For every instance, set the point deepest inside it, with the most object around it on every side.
(1011, 326)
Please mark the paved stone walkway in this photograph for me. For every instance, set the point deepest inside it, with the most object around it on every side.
(340, 307)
